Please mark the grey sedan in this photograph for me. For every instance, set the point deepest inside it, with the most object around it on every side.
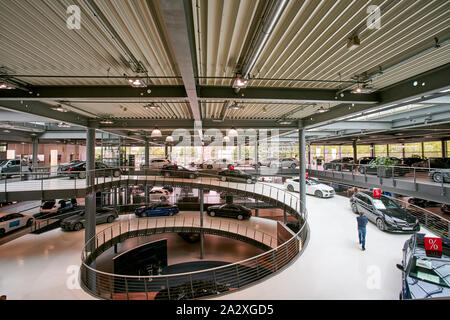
(78, 222)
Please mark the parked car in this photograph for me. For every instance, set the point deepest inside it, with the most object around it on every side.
(291, 163)
(229, 210)
(266, 162)
(214, 164)
(411, 161)
(237, 176)
(11, 167)
(78, 170)
(190, 237)
(179, 171)
(159, 163)
(312, 187)
(424, 277)
(384, 212)
(345, 163)
(398, 168)
(51, 208)
(365, 160)
(157, 209)
(445, 208)
(422, 203)
(13, 221)
(439, 175)
(158, 194)
(78, 221)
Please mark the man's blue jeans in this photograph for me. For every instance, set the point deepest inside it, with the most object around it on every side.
(362, 237)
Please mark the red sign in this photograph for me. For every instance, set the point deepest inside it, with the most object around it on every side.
(307, 175)
(231, 167)
(377, 193)
(433, 247)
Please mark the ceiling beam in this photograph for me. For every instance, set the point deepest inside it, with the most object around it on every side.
(177, 22)
(358, 125)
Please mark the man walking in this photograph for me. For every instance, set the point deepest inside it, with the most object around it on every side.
(362, 222)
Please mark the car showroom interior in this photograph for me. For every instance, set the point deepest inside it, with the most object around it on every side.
(224, 150)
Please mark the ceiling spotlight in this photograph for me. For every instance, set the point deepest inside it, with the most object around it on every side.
(353, 42)
(264, 110)
(284, 122)
(239, 82)
(169, 139)
(232, 132)
(137, 82)
(5, 86)
(59, 108)
(235, 106)
(106, 121)
(152, 106)
(63, 125)
(226, 139)
(156, 133)
(362, 89)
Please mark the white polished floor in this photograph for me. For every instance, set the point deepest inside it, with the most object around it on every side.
(332, 267)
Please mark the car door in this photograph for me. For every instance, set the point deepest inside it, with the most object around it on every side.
(371, 212)
(361, 204)
(14, 221)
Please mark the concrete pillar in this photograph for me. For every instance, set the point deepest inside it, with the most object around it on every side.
(387, 150)
(403, 151)
(355, 151)
(147, 154)
(372, 150)
(90, 198)
(256, 152)
(200, 191)
(444, 148)
(423, 149)
(166, 151)
(302, 166)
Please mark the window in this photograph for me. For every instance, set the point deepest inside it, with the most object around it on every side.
(432, 149)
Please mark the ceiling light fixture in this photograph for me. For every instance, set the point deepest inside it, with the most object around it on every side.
(321, 110)
(239, 82)
(137, 82)
(152, 106)
(226, 139)
(284, 122)
(235, 106)
(353, 42)
(5, 86)
(156, 133)
(362, 89)
(106, 121)
(169, 139)
(63, 125)
(60, 108)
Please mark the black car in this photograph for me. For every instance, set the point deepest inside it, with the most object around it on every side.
(237, 176)
(365, 160)
(190, 237)
(423, 276)
(231, 210)
(345, 163)
(384, 212)
(178, 171)
(398, 169)
(423, 203)
(412, 161)
(445, 208)
(78, 222)
(78, 170)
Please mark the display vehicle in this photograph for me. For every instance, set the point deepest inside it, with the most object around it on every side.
(78, 221)
(13, 221)
(157, 209)
(384, 212)
(78, 170)
(236, 176)
(313, 187)
(229, 210)
(158, 194)
(425, 275)
(52, 208)
(439, 176)
(159, 163)
(179, 172)
(291, 163)
(345, 163)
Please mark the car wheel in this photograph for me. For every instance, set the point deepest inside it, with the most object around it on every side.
(240, 217)
(290, 188)
(78, 227)
(110, 219)
(362, 170)
(82, 175)
(293, 166)
(212, 213)
(437, 177)
(318, 194)
(29, 222)
(224, 179)
(355, 208)
(380, 224)
(249, 180)
(116, 174)
(162, 198)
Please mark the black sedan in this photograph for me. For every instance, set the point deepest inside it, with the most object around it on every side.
(179, 171)
(231, 210)
(424, 277)
(78, 170)
(345, 163)
(78, 222)
(236, 176)
(384, 212)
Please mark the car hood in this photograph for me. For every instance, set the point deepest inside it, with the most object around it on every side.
(323, 187)
(399, 215)
(75, 218)
(422, 290)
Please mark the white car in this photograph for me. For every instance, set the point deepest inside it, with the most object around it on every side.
(158, 194)
(214, 164)
(55, 206)
(159, 163)
(285, 163)
(12, 221)
(312, 187)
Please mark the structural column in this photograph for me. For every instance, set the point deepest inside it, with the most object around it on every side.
(35, 154)
(90, 199)
(166, 151)
(372, 151)
(444, 148)
(200, 191)
(302, 166)
(355, 152)
(147, 154)
(256, 152)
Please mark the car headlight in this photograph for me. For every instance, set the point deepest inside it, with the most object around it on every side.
(389, 219)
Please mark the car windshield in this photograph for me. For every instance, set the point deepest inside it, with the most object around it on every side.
(2, 162)
(436, 271)
(385, 203)
(48, 204)
(313, 182)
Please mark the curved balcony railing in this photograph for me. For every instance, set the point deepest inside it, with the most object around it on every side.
(205, 282)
